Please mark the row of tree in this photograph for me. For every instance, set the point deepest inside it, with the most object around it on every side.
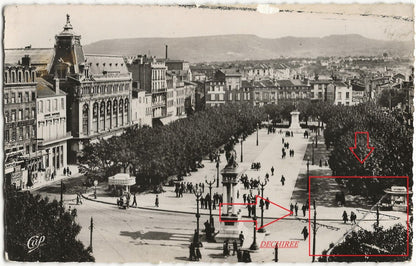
(153, 154)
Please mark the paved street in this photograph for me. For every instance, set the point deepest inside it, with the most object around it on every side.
(163, 234)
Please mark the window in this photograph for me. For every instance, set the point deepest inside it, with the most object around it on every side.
(347, 95)
(33, 113)
(19, 97)
(33, 96)
(6, 135)
(13, 97)
(212, 97)
(26, 97)
(40, 107)
(238, 96)
(48, 106)
(55, 104)
(13, 134)
(229, 87)
(13, 115)
(6, 117)
(6, 98)
(20, 115)
(63, 103)
(339, 95)
(230, 96)
(27, 113)
(221, 97)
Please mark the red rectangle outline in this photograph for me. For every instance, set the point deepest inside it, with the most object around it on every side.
(357, 255)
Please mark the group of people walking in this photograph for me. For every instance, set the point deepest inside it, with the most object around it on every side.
(295, 208)
(353, 217)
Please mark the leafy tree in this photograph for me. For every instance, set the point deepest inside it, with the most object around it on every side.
(391, 241)
(27, 215)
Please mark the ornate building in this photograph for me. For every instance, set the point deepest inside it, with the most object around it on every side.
(98, 87)
(21, 159)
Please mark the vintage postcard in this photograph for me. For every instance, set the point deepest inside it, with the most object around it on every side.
(211, 133)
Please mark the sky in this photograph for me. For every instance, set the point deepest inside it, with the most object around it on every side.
(37, 25)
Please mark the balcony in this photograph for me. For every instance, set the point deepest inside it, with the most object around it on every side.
(55, 139)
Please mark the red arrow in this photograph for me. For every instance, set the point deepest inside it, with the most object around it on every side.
(352, 149)
(255, 221)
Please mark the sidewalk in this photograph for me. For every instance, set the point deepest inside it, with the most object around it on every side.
(59, 176)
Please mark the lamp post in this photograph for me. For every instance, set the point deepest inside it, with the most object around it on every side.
(307, 175)
(254, 245)
(316, 139)
(243, 138)
(211, 219)
(95, 189)
(314, 231)
(313, 153)
(262, 230)
(218, 172)
(198, 194)
(257, 138)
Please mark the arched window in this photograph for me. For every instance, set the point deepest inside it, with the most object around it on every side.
(33, 76)
(27, 76)
(85, 114)
(19, 74)
(108, 116)
(115, 108)
(102, 115)
(13, 76)
(126, 105)
(108, 108)
(120, 108)
(95, 117)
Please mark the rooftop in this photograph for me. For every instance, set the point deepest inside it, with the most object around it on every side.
(106, 63)
(45, 89)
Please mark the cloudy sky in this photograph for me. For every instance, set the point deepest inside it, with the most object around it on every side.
(38, 24)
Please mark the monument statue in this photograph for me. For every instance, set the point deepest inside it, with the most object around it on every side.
(231, 162)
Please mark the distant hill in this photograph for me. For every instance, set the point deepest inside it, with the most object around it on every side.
(250, 47)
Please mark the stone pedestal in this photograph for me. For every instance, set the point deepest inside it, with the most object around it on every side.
(294, 124)
(229, 213)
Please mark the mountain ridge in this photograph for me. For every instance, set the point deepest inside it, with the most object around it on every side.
(250, 47)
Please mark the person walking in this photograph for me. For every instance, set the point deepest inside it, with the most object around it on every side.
(267, 177)
(291, 209)
(134, 200)
(192, 252)
(157, 201)
(234, 247)
(241, 238)
(244, 198)
(353, 217)
(283, 179)
(198, 253)
(345, 217)
(305, 233)
(304, 210)
(296, 209)
(272, 170)
(267, 203)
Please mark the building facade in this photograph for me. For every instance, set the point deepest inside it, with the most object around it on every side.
(21, 161)
(51, 129)
(98, 87)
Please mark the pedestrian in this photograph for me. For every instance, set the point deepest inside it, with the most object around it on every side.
(345, 217)
(304, 210)
(239, 255)
(296, 209)
(198, 253)
(267, 177)
(272, 170)
(157, 201)
(241, 238)
(77, 199)
(283, 140)
(234, 247)
(192, 251)
(353, 217)
(134, 200)
(291, 209)
(64, 171)
(244, 198)
(283, 179)
(238, 194)
(305, 233)
(267, 203)
(202, 202)
(249, 210)
(214, 206)
(67, 170)
(246, 256)
(225, 250)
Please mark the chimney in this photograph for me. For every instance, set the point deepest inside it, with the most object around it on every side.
(56, 86)
(166, 51)
(26, 60)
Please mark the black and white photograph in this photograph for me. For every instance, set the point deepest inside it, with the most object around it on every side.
(208, 133)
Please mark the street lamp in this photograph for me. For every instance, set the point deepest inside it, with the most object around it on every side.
(313, 153)
(314, 231)
(257, 138)
(243, 138)
(218, 171)
(95, 189)
(211, 219)
(198, 194)
(262, 230)
(307, 175)
(254, 245)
